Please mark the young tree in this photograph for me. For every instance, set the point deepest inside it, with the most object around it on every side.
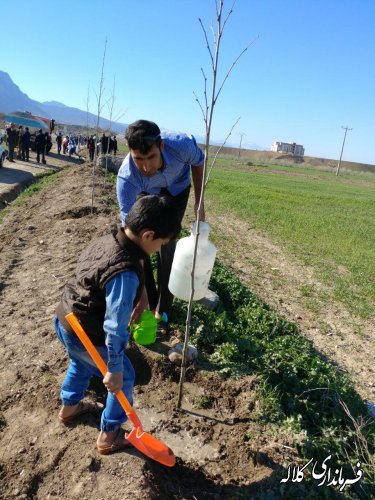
(112, 120)
(99, 97)
(207, 112)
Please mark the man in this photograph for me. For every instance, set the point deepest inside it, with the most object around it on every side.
(19, 142)
(26, 144)
(11, 140)
(159, 164)
(40, 144)
(59, 142)
(104, 144)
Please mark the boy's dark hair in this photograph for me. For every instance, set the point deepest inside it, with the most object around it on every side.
(142, 135)
(156, 213)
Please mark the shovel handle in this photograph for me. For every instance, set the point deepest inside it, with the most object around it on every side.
(98, 360)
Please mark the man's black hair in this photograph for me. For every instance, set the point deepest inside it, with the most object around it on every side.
(142, 135)
(156, 213)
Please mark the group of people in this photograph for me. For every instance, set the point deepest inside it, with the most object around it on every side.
(108, 145)
(114, 281)
(20, 140)
(69, 145)
(19, 143)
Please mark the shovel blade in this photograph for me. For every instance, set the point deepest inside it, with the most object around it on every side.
(151, 447)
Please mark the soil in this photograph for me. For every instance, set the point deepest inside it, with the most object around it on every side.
(221, 452)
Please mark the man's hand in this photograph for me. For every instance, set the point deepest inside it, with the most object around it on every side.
(140, 307)
(113, 382)
(202, 215)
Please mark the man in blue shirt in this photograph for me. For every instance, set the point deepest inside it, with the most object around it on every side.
(107, 284)
(159, 164)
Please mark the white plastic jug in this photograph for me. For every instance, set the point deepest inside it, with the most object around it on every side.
(180, 277)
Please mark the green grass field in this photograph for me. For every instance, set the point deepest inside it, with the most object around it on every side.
(326, 221)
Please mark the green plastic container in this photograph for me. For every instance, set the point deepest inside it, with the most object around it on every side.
(144, 332)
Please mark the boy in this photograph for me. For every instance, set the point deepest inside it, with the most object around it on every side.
(107, 286)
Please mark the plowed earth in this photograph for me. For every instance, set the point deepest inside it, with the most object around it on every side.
(40, 457)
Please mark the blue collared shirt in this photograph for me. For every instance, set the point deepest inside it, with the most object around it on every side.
(120, 293)
(179, 154)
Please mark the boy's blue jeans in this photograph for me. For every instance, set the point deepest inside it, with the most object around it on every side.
(79, 373)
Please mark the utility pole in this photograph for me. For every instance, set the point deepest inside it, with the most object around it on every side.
(239, 151)
(342, 149)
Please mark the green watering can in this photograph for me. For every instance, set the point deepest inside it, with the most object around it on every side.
(144, 332)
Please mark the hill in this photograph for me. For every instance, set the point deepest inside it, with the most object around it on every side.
(13, 99)
(256, 157)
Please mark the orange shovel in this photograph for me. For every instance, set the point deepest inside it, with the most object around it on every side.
(145, 443)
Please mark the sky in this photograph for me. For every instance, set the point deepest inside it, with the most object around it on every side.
(309, 72)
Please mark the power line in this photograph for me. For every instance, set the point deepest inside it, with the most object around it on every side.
(342, 149)
(239, 150)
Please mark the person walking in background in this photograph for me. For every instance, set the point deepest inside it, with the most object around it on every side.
(19, 142)
(65, 144)
(110, 147)
(91, 147)
(40, 144)
(11, 141)
(59, 142)
(26, 144)
(104, 144)
(159, 164)
(114, 145)
(48, 143)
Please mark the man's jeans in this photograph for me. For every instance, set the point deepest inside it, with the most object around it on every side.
(79, 373)
(160, 298)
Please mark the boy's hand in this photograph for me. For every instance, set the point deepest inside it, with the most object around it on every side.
(113, 382)
(139, 308)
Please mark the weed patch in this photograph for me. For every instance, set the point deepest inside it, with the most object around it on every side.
(300, 390)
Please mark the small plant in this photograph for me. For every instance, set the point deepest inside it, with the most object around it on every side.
(307, 290)
(205, 402)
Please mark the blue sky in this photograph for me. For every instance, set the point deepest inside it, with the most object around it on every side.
(311, 71)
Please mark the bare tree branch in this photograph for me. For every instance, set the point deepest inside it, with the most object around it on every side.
(228, 16)
(233, 64)
(220, 148)
(200, 105)
(207, 43)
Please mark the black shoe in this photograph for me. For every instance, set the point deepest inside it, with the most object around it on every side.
(163, 328)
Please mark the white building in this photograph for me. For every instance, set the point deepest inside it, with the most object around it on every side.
(288, 147)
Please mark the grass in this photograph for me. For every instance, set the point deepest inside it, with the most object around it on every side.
(41, 181)
(299, 392)
(122, 148)
(328, 222)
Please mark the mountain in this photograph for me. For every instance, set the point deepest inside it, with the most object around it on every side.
(13, 99)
